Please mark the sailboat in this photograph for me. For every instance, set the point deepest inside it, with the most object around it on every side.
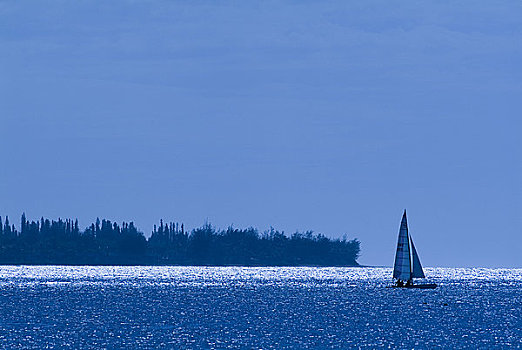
(407, 264)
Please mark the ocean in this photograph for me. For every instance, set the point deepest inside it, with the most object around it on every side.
(116, 307)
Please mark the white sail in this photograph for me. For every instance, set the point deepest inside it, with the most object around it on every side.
(417, 271)
(402, 266)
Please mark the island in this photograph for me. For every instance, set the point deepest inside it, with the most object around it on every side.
(61, 242)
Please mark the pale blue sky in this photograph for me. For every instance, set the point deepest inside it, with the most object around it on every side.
(331, 116)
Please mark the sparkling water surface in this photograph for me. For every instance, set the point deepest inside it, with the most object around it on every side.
(255, 307)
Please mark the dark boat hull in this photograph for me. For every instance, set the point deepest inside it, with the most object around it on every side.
(418, 286)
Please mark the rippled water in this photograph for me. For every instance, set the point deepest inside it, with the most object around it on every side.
(240, 307)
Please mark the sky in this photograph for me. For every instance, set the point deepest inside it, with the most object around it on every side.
(331, 116)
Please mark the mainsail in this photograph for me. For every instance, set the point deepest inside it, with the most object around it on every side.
(402, 266)
(407, 264)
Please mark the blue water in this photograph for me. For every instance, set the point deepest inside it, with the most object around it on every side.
(237, 307)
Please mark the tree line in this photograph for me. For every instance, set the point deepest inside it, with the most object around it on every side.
(103, 242)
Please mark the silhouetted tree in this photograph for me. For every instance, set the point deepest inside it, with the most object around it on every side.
(104, 242)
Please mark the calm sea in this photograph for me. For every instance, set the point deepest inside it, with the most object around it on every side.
(261, 308)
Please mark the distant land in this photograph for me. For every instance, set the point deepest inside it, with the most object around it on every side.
(61, 242)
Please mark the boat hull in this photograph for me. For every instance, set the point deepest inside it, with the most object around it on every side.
(418, 286)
